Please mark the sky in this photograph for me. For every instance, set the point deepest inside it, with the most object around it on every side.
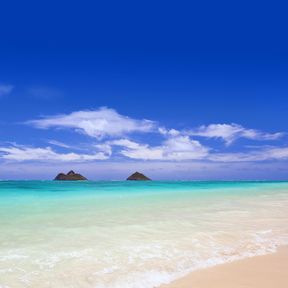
(176, 90)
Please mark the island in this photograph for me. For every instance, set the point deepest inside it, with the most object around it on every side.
(138, 177)
(70, 176)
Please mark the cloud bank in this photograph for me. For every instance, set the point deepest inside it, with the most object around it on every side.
(231, 132)
(174, 148)
(23, 153)
(115, 136)
(100, 123)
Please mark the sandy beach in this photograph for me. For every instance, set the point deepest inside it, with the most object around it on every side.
(143, 234)
(257, 272)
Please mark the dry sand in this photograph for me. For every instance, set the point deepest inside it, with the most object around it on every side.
(269, 271)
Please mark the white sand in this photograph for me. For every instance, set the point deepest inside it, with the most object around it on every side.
(269, 271)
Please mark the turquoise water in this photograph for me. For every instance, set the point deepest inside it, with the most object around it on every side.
(132, 234)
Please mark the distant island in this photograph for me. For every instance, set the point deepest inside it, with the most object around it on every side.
(70, 176)
(138, 177)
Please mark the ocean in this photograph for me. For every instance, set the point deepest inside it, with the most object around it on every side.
(132, 234)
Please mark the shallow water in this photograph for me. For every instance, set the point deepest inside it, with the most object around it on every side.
(132, 234)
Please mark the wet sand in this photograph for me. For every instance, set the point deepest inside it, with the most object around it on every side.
(269, 271)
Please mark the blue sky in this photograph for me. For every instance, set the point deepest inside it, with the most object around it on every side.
(175, 90)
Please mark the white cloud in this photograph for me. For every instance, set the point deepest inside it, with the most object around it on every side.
(272, 153)
(59, 144)
(105, 122)
(230, 132)
(144, 152)
(96, 123)
(183, 148)
(126, 143)
(169, 132)
(105, 148)
(23, 153)
(174, 148)
(5, 89)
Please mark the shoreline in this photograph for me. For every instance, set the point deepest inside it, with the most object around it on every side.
(265, 271)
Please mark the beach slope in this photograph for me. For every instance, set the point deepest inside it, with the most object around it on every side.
(267, 271)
